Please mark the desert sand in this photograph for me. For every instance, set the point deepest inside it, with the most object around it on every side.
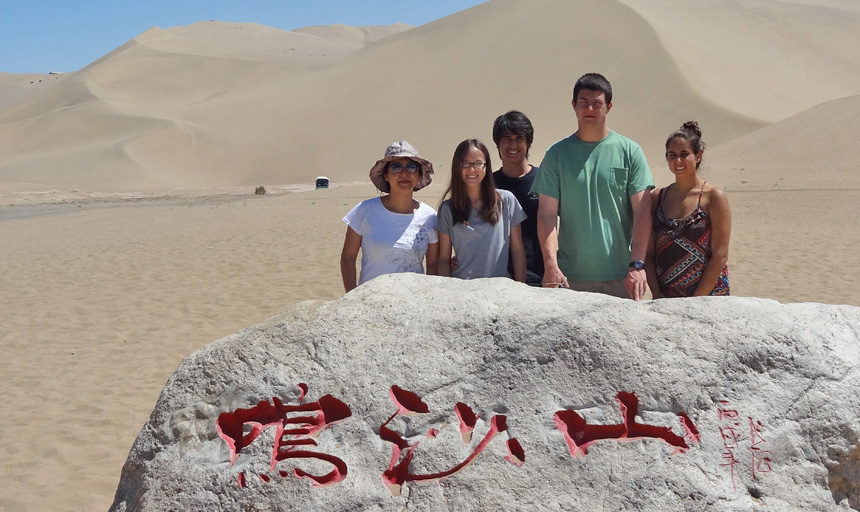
(131, 235)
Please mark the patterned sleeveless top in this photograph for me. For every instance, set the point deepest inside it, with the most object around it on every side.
(683, 249)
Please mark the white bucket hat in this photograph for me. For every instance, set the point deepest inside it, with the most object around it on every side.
(400, 149)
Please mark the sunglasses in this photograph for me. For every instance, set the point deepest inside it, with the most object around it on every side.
(397, 167)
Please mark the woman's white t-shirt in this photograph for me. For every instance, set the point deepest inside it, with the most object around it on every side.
(391, 242)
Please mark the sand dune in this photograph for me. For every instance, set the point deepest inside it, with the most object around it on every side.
(310, 46)
(809, 150)
(235, 121)
(127, 120)
(17, 87)
(216, 104)
(131, 235)
(462, 80)
(768, 59)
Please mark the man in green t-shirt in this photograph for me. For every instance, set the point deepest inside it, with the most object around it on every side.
(594, 217)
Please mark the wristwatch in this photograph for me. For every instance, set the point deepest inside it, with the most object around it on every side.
(637, 265)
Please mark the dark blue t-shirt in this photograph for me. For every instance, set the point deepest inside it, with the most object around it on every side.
(520, 188)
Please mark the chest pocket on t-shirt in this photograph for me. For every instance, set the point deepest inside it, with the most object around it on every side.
(620, 178)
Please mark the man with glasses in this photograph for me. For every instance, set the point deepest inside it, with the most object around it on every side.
(594, 214)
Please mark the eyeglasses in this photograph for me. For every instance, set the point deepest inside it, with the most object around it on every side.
(396, 167)
(474, 165)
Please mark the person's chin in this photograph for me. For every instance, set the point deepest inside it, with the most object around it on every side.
(513, 159)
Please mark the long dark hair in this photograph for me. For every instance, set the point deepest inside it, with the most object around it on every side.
(460, 204)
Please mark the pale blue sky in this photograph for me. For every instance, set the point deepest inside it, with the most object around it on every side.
(39, 36)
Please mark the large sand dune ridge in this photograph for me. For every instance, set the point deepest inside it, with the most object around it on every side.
(172, 108)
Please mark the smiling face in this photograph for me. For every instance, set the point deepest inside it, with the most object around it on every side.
(474, 167)
(681, 158)
(401, 179)
(513, 149)
(591, 108)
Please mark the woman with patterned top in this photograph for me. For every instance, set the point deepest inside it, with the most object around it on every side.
(692, 221)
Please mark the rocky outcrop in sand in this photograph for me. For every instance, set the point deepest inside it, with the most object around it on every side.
(426, 393)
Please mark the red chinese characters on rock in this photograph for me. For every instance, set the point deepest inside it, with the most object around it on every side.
(760, 457)
(729, 424)
(403, 452)
(295, 426)
(579, 435)
(731, 429)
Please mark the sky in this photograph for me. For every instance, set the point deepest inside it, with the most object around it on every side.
(41, 36)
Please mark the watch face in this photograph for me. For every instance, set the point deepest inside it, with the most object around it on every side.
(637, 265)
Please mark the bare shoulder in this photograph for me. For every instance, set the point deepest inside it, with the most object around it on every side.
(714, 192)
(714, 197)
(655, 198)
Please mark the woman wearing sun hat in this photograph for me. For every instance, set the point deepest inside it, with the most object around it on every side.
(394, 232)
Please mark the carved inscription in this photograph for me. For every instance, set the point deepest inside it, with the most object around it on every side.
(407, 403)
(579, 435)
(296, 426)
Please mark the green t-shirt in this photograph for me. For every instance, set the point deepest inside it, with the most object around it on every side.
(593, 182)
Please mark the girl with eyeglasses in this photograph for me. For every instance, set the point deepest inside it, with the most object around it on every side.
(480, 224)
(395, 233)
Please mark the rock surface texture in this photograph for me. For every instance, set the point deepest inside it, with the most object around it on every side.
(427, 393)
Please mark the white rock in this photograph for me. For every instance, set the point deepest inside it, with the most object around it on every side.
(791, 371)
